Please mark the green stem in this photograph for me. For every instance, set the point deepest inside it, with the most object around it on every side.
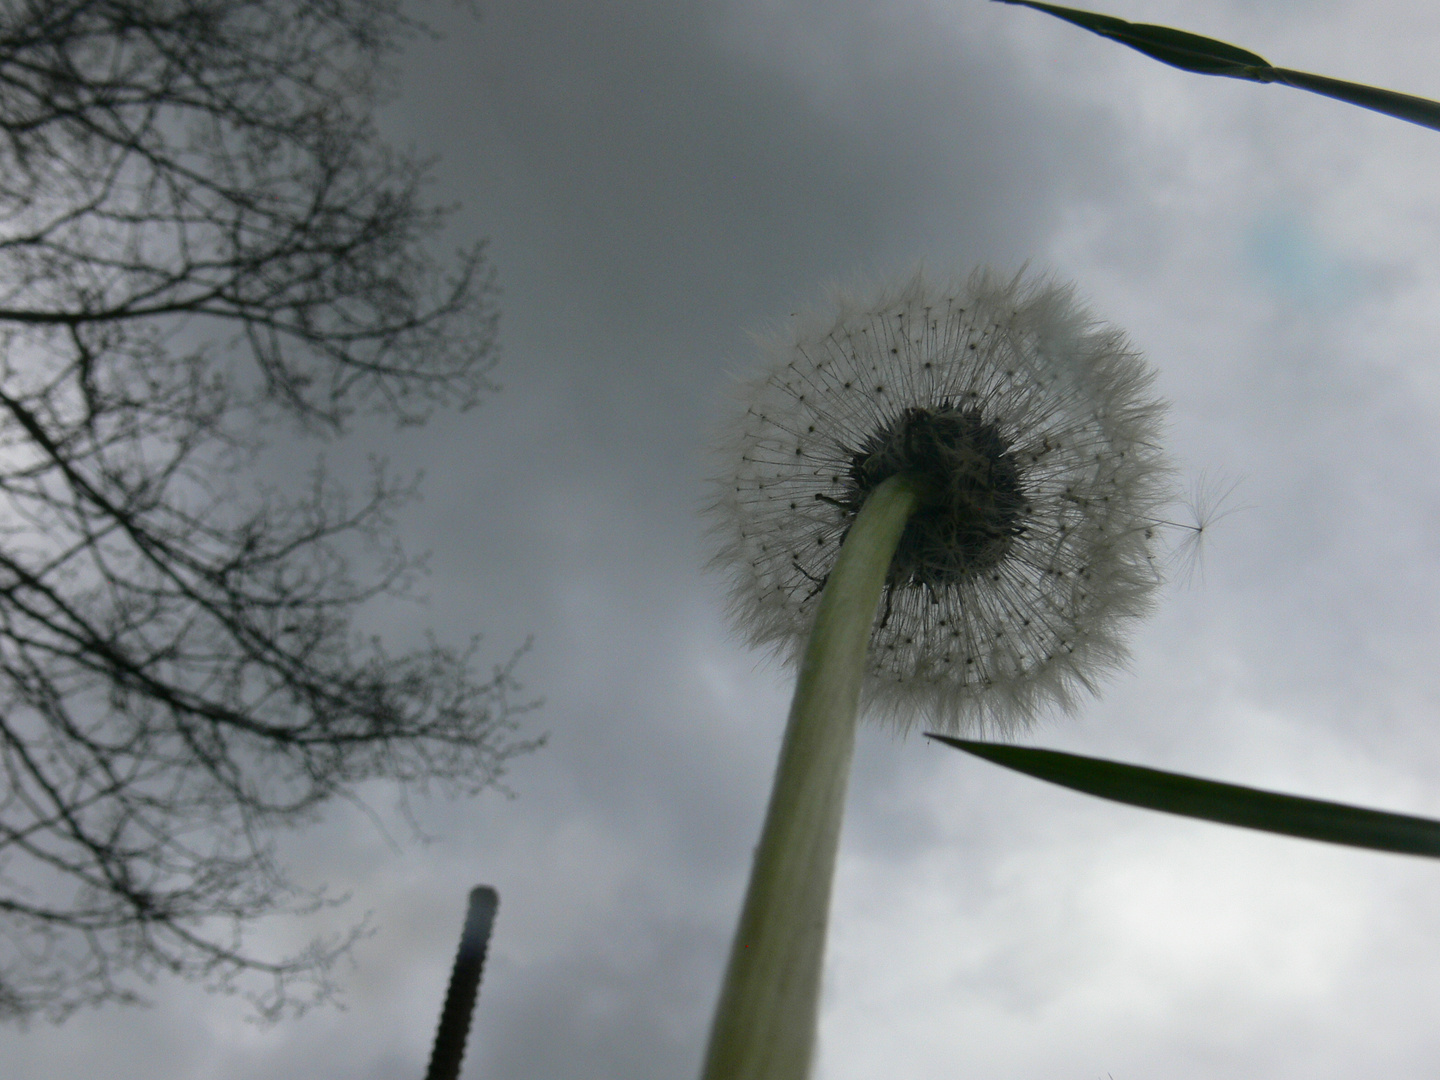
(765, 1022)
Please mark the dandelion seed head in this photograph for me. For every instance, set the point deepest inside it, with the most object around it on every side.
(1032, 433)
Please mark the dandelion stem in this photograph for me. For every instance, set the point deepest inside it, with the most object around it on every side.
(764, 1025)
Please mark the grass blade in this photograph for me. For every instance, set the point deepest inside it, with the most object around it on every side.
(1210, 800)
(1206, 56)
(1416, 110)
(1190, 52)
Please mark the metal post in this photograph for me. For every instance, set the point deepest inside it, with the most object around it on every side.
(464, 985)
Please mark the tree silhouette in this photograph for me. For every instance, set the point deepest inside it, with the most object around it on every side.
(202, 237)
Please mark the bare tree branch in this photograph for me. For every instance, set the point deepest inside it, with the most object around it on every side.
(200, 231)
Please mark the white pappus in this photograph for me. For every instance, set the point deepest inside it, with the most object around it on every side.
(1034, 433)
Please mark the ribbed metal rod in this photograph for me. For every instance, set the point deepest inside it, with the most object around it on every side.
(464, 985)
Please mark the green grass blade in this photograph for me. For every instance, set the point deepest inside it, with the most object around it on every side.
(1229, 804)
(1190, 52)
(1416, 110)
(1206, 56)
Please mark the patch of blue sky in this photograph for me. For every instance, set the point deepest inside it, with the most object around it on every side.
(1289, 256)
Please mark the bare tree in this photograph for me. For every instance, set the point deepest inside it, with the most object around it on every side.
(201, 235)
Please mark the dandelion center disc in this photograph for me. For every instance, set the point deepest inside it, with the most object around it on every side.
(972, 504)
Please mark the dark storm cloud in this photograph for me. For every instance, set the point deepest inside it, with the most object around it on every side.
(659, 178)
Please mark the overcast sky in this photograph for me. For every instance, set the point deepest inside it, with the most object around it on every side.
(659, 180)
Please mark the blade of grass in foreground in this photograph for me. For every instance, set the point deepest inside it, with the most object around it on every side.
(1206, 56)
(1229, 804)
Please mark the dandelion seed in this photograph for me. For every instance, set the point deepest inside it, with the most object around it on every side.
(1210, 501)
(1033, 434)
